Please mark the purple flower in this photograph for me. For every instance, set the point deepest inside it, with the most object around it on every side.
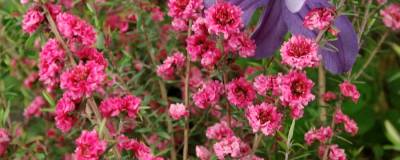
(282, 16)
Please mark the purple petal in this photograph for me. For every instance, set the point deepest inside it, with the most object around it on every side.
(271, 30)
(342, 60)
(209, 3)
(336, 61)
(294, 5)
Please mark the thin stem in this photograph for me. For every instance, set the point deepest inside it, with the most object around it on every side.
(372, 55)
(187, 102)
(256, 142)
(289, 139)
(364, 22)
(164, 97)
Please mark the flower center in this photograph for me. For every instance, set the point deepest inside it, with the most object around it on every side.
(299, 49)
(298, 88)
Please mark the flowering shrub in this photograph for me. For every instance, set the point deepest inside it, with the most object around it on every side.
(199, 79)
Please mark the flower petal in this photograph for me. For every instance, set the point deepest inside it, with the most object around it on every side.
(271, 30)
(336, 61)
(294, 5)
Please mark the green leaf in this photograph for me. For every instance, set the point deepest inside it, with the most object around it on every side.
(391, 133)
(396, 48)
(49, 99)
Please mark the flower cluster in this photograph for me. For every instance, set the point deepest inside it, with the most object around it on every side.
(142, 152)
(5, 140)
(32, 19)
(209, 94)
(349, 90)
(350, 126)
(219, 131)
(224, 18)
(76, 29)
(391, 16)
(333, 153)
(52, 59)
(322, 134)
(63, 115)
(89, 146)
(263, 84)
(34, 109)
(112, 107)
(171, 65)
(240, 92)
(177, 111)
(296, 92)
(300, 52)
(183, 11)
(232, 146)
(319, 18)
(265, 118)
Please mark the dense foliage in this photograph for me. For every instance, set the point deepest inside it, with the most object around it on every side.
(199, 79)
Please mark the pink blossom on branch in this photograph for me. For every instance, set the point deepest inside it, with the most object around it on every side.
(300, 52)
(391, 16)
(350, 126)
(296, 92)
(203, 153)
(32, 20)
(5, 140)
(209, 94)
(349, 90)
(82, 80)
(219, 131)
(232, 146)
(319, 18)
(263, 84)
(322, 135)
(177, 111)
(34, 109)
(265, 118)
(51, 63)
(75, 28)
(334, 152)
(171, 65)
(89, 146)
(63, 117)
(224, 18)
(240, 92)
(184, 9)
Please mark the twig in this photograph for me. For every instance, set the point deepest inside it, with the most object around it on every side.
(372, 55)
(187, 102)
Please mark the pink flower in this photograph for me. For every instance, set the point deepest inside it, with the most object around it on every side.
(242, 44)
(179, 24)
(75, 28)
(4, 141)
(157, 15)
(31, 79)
(322, 134)
(91, 54)
(64, 119)
(350, 126)
(116, 22)
(142, 152)
(177, 111)
(265, 118)
(32, 20)
(219, 131)
(300, 52)
(349, 90)
(51, 63)
(196, 77)
(224, 18)
(89, 146)
(296, 92)
(209, 94)
(34, 109)
(262, 84)
(240, 92)
(200, 47)
(329, 96)
(391, 16)
(185, 9)
(334, 152)
(200, 26)
(171, 65)
(83, 79)
(232, 146)
(203, 153)
(319, 18)
(111, 107)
